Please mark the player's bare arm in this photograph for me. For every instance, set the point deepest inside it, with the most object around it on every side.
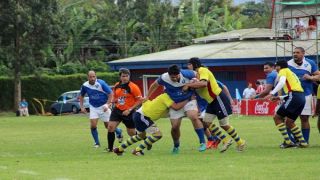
(198, 84)
(266, 91)
(153, 87)
(82, 109)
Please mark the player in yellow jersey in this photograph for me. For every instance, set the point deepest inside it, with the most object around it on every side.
(218, 104)
(292, 106)
(144, 119)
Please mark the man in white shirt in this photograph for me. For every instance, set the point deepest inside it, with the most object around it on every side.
(249, 92)
(299, 27)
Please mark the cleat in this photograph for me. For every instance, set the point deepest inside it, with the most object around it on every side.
(226, 145)
(202, 147)
(118, 152)
(149, 147)
(302, 145)
(175, 150)
(216, 144)
(284, 145)
(210, 144)
(137, 153)
(96, 145)
(108, 150)
(242, 147)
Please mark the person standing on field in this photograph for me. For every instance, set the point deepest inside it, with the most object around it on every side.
(100, 95)
(126, 98)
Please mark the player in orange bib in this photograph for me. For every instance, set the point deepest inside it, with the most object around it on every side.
(126, 98)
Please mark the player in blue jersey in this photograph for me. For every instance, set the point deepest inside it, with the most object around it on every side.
(100, 95)
(173, 81)
(271, 76)
(307, 72)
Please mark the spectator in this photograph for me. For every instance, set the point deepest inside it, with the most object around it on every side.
(259, 86)
(248, 92)
(23, 108)
(312, 25)
(299, 27)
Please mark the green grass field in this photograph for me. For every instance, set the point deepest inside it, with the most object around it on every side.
(60, 148)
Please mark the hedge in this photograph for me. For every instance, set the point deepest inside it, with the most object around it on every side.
(46, 88)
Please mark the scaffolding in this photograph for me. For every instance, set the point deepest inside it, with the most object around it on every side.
(286, 14)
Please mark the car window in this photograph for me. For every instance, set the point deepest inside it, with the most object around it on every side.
(60, 98)
(69, 96)
(74, 95)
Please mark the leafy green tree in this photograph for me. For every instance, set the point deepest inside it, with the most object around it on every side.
(27, 26)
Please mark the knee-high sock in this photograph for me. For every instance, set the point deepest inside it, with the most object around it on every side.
(129, 142)
(297, 133)
(233, 133)
(111, 137)
(148, 142)
(200, 133)
(95, 135)
(306, 134)
(283, 130)
(217, 132)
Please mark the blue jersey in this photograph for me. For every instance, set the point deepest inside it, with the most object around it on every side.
(23, 104)
(97, 93)
(202, 103)
(307, 67)
(174, 89)
(271, 78)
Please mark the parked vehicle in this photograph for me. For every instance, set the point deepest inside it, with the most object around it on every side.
(69, 102)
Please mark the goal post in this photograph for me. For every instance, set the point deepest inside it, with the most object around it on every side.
(145, 79)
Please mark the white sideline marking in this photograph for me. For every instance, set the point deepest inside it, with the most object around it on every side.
(28, 172)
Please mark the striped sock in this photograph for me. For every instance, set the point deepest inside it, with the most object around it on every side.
(148, 142)
(215, 131)
(297, 133)
(283, 130)
(233, 133)
(129, 142)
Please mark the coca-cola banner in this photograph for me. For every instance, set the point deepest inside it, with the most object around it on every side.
(258, 107)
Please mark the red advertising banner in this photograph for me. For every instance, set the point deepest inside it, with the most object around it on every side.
(259, 107)
(256, 107)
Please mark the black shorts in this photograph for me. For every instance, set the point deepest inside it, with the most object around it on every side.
(220, 106)
(142, 122)
(116, 115)
(292, 106)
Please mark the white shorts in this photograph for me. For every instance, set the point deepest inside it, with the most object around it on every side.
(190, 106)
(98, 113)
(202, 113)
(307, 110)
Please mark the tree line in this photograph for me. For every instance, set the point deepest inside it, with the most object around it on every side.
(71, 36)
